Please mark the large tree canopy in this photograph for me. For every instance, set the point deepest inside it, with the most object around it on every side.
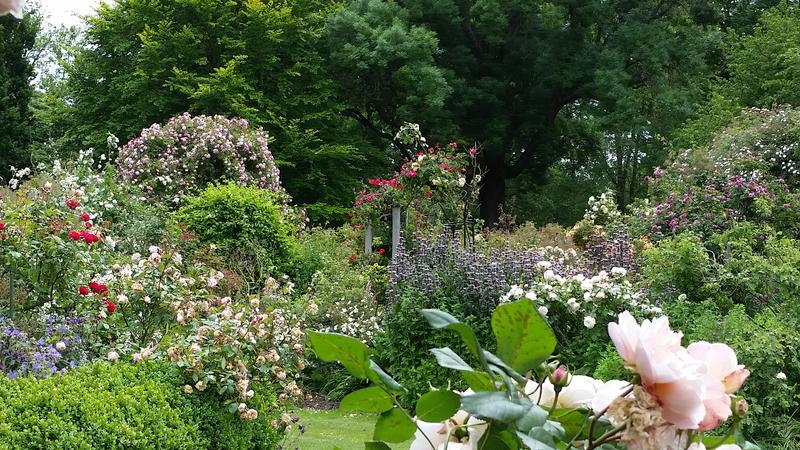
(146, 60)
(501, 73)
(762, 70)
(17, 39)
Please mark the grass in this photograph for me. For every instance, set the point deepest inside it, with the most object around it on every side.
(329, 429)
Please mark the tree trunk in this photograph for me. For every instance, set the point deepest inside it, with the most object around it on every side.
(492, 196)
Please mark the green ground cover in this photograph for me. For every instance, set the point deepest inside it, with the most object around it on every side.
(330, 429)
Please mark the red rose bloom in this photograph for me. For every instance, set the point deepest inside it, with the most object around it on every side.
(88, 224)
(98, 288)
(110, 306)
(3, 236)
(75, 236)
(352, 258)
(2, 226)
(72, 203)
(382, 251)
(85, 217)
(84, 291)
(90, 238)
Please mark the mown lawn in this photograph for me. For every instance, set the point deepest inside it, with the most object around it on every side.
(329, 429)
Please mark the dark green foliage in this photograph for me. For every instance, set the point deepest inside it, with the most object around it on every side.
(760, 71)
(17, 39)
(120, 406)
(504, 73)
(145, 61)
(767, 343)
(403, 347)
(247, 227)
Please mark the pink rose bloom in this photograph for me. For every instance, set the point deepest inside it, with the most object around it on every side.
(723, 376)
(667, 370)
(13, 7)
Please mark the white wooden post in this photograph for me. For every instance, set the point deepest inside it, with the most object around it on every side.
(368, 240)
(395, 230)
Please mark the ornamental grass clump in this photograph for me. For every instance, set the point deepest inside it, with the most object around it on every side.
(178, 159)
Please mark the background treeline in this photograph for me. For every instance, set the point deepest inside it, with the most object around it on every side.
(565, 98)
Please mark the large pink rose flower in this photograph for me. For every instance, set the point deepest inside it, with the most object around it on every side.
(667, 370)
(723, 376)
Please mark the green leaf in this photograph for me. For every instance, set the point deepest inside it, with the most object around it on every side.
(378, 376)
(533, 443)
(524, 339)
(449, 359)
(438, 406)
(478, 381)
(499, 440)
(394, 426)
(534, 417)
(574, 423)
(442, 320)
(374, 445)
(350, 352)
(493, 360)
(493, 405)
(369, 400)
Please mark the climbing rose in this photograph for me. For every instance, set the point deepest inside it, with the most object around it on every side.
(75, 236)
(84, 291)
(71, 203)
(111, 307)
(85, 217)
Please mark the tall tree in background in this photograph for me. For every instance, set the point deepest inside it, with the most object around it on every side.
(17, 41)
(146, 60)
(500, 72)
(762, 69)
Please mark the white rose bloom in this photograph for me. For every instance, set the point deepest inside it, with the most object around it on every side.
(780, 376)
(112, 356)
(530, 295)
(543, 310)
(589, 322)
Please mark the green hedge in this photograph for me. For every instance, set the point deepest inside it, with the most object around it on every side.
(120, 406)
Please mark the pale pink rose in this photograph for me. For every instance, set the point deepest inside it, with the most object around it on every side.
(610, 391)
(723, 376)
(13, 7)
(666, 369)
(625, 336)
(437, 433)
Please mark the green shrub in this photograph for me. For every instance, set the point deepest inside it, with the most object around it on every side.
(403, 346)
(767, 343)
(246, 225)
(679, 265)
(120, 406)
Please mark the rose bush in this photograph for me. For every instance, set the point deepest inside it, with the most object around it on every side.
(181, 157)
(521, 397)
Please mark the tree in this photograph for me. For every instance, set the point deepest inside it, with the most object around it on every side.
(146, 60)
(762, 70)
(500, 73)
(17, 39)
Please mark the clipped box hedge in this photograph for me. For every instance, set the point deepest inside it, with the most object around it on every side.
(121, 406)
